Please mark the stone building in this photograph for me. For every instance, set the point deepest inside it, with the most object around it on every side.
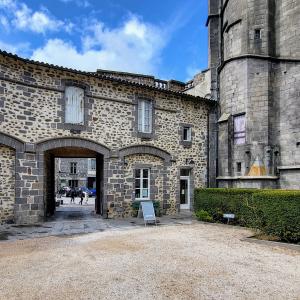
(149, 138)
(236, 124)
(254, 63)
(75, 172)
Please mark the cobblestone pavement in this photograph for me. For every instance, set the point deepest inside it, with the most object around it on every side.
(73, 218)
(195, 261)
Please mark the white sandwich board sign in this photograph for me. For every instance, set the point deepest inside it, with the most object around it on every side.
(148, 211)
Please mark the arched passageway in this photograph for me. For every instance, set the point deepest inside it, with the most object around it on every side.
(48, 151)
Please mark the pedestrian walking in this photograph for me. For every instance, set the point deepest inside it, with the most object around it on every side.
(86, 197)
(81, 198)
(73, 194)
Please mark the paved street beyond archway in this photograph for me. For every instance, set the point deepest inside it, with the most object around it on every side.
(179, 261)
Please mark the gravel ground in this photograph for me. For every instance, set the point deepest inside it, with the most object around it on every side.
(198, 261)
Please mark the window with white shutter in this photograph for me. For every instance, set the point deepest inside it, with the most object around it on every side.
(187, 134)
(145, 116)
(74, 101)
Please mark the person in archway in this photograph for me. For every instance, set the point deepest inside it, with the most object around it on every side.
(73, 194)
(81, 198)
(86, 197)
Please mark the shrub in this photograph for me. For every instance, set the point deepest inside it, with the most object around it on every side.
(273, 212)
(136, 205)
(203, 215)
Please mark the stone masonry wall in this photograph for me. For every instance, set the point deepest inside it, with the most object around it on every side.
(32, 110)
(7, 183)
(156, 166)
(259, 76)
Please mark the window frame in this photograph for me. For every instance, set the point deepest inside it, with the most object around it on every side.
(93, 164)
(73, 166)
(74, 128)
(67, 118)
(182, 141)
(136, 132)
(189, 133)
(239, 134)
(142, 118)
(257, 34)
(141, 188)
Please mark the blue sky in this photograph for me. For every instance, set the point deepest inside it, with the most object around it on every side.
(167, 39)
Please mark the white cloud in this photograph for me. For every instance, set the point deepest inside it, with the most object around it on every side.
(134, 47)
(79, 3)
(7, 3)
(24, 18)
(20, 49)
(4, 23)
(38, 21)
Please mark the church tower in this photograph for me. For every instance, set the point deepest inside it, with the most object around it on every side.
(254, 59)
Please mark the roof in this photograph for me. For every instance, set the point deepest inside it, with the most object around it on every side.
(106, 77)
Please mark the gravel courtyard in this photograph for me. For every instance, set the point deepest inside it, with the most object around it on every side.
(198, 261)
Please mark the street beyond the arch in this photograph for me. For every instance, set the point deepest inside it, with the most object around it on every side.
(178, 260)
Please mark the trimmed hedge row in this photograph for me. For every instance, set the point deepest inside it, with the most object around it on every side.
(273, 212)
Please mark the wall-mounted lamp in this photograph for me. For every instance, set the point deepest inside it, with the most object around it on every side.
(189, 161)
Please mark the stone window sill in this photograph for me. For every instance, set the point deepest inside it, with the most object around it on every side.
(186, 144)
(145, 136)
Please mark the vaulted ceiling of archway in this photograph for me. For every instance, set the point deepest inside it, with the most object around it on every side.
(72, 152)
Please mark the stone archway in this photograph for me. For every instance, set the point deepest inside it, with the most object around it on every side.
(70, 147)
(158, 161)
(11, 149)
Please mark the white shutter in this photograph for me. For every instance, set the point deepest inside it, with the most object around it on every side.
(74, 111)
(145, 116)
(140, 116)
(189, 136)
(149, 118)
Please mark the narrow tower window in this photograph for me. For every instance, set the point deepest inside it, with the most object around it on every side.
(257, 34)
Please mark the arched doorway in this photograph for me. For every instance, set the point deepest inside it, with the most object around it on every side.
(49, 150)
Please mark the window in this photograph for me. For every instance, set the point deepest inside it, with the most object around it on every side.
(239, 130)
(74, 101)
(257, 34)
(73, 168)
(145, 116)
(187, 134)
(93, 164)
(142, 184)
(73, 183)
(239, 167)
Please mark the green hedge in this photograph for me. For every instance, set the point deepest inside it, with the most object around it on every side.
(273, 212)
